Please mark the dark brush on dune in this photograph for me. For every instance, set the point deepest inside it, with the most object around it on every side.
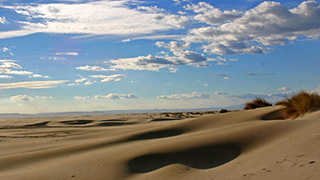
(299, 104)
(257, 103)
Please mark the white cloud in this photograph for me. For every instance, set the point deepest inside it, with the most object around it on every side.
(103, 17)
(5, 49)
(150, 63)
(105, 78)
(260, 28)
(56, 58)
(181, 56)
(283, 89)
(222, 61)
(5, 77)
(3, 20)
(80, 80)
(44, 97)
(211, 15)
(220, 93)
(16, 33)
(71, 84)
(93, 68)
(258, 74)
(7, 66)
(316, 90)
(116, 96)
(205, 85)
(67, 53)
(150, 9)
(81, 98)
(32, 84)
(88, 83)
(21, 98)
(193, 95)
(38, 76)
(224, 76)
(172, 69)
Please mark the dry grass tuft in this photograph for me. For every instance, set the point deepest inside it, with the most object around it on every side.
(257, 103)
(299, 104)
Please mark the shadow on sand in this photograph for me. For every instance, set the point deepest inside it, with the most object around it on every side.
(204, 157)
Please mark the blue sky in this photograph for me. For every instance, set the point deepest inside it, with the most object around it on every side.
(79, 55)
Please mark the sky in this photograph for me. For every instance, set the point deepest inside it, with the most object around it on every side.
(99, 55)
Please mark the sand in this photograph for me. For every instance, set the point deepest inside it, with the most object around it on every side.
(252, 144)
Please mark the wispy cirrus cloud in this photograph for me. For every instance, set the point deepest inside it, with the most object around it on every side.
(67, 53)
(115, 18)
(94, 68)
(32, 84)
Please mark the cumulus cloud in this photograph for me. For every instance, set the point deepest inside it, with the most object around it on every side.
(114, 18)
(220, 93)
(80, 80)
(180, 56)
(93, 68)
(211, 15)
(38, 76)
(222, 61)
(32, 84)
(258, 29)
(67, 53)
(81, 97)
(44, 97)
(105, 78)
(193, 95)
(88, 83)
(8, 66)
(5, 77)
(3, 20)
(21, 98)
(116, 96)
(224, 76)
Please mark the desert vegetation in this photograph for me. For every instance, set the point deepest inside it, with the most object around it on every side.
(257, 103)
(299, 104)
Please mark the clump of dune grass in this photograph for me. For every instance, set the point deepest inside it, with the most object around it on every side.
(299, 104)
(257, 103)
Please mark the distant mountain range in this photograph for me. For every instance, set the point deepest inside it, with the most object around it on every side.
(83, 113)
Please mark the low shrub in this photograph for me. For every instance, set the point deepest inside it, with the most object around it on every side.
(257, 103)
(223, 111)
(299, 104)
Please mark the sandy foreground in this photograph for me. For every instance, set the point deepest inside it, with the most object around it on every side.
(252, 144)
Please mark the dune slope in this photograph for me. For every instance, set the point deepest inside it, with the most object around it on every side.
(252, 144)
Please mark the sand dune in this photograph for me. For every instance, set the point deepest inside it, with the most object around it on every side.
(252, 144)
